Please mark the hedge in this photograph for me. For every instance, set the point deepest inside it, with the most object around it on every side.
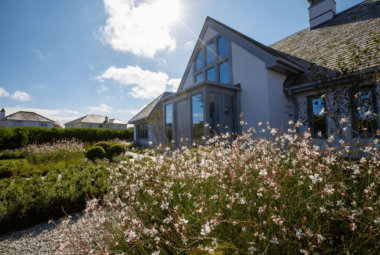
(16, 137)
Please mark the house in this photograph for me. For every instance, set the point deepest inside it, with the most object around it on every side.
(229, 73)
(143, 132)
(23, 119)
(96, 121)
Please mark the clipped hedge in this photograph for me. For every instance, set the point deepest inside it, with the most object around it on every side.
(105, 145)
(96, 152)
(16, 137)
(116, 150)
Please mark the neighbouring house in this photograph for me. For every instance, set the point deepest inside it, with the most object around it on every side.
(144, 131)
(23, 119)
(96, 121)
(230, 73)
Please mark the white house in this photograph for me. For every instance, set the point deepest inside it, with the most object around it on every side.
(96, 121)
(229, 73)
(23, 119)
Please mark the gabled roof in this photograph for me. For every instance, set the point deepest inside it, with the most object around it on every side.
(273, 59)
(116, 121)
(145, 113)
(327, 40)
(91, 118)
(27, 116)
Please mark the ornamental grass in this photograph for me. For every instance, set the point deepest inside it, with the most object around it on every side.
(264, 192)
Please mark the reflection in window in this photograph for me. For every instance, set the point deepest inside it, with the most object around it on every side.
(142, 131)
(224, 73)
(317, 117)
(210, 53)
(364, 104)
(223, 47)
(169, 123)
(199, 61)
(211, 74)
(229, 114)
(197, 111)
(215, 109)
(200, 77)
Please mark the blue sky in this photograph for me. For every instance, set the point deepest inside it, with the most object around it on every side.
(65, 59)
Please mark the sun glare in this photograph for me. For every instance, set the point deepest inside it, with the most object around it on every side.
(169, 9)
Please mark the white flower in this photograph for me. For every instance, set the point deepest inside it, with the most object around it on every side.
(299, 233)
(261, 236)
(242, 123)
(321, 238)
(150, 143)
(243, 229)
(274, 240)
(260, 123)
(291, 122)
(206, 125)
(377, 221)
(156, 253)
(322, 112)
(164, 205)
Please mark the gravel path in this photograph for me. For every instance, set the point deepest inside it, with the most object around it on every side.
(36, 240)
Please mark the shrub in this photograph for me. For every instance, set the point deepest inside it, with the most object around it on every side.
(96, 152)
(15, 154)
(116, 150)
(105, 145)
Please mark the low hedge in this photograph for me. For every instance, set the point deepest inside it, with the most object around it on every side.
(116, 150)
(17, 137)
(105, 145)
(9, 154)
(27, 202)
(96, 152)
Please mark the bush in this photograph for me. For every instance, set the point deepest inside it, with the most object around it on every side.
(15, 154)
(96, 152)
(17, 137)
(116, 150)
(105, 145)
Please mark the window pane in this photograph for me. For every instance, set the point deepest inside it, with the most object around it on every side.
(200, 77)
(223, 46)
(318, 118)
(366, 122)
(211, 74)
(229, 114)
(169, 123)
(224, 73)
(199, 61)
(197, 105)
(210, 53)
(215, 107)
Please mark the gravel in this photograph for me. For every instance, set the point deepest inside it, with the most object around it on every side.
(36, 240)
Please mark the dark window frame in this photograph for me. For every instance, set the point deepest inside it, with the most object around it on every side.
(142, 131)
(310, 113)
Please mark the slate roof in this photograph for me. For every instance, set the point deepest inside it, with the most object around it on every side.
(27, 116)
(145, 113)
(327, 39)
(91, 118)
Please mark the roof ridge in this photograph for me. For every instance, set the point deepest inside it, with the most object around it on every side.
(336, 15)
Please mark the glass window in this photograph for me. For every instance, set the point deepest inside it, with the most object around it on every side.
(197, 105)
(210, 53)
(224, 72)
(211, 74)
(43, 124)
(317, 117)
(17, 123)
(100, 125)
(200, 77)
(366, 123)
(229, 114)
(199, 61)
(142, 131)
(88, 125)
(169, 123)
(223, 47)
(215, 109)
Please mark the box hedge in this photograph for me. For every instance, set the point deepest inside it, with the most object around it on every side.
(16, 137)
(96, 152)
(116, 150)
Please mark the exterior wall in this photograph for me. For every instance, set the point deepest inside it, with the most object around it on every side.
(8, 123)
(251, 73)
(210, 33)
(144, 141)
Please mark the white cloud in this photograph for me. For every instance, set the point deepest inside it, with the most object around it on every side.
(43, 55)
(109, 97)
(3, 93)
(38, 86)
(131, 111)
(189, 44)
(104, 88)
(60, 115)
(21, 96)
(102, 108)
(174, 83)
(143, 28)
(148, 85)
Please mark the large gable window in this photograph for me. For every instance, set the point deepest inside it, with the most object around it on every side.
(224, 72)
(222, 47)
(199, 61)
(210, 54)
(317, 118)
(211, 74)
(200, 77)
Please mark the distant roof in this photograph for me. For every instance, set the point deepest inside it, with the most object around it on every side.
(326, 40)
(116, 121)
(91, 118)
(27, 116)
(145, 113)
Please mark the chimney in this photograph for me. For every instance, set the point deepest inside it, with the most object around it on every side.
(2, 116)
(321, 11)
(106, 119)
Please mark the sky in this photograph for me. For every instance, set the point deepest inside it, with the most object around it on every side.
(66, 59)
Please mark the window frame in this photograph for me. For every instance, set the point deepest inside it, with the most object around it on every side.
(42, 124)
(311, 117)
(141, 136)
(191, 115)
(16, 123)
(89, 125)
(217, 60)
(100, 125)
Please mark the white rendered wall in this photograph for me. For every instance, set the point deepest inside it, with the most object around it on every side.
(210, 33)
(250, 72)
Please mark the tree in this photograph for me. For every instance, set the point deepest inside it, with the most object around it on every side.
(155, 123)
(57, 125)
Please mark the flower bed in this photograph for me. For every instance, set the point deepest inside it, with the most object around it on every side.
(280, 195)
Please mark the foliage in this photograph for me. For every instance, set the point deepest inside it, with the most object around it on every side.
(17, 137)
(96, 152)
(116, 150)
(248, 195)
(12, 154)
(105, 145)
